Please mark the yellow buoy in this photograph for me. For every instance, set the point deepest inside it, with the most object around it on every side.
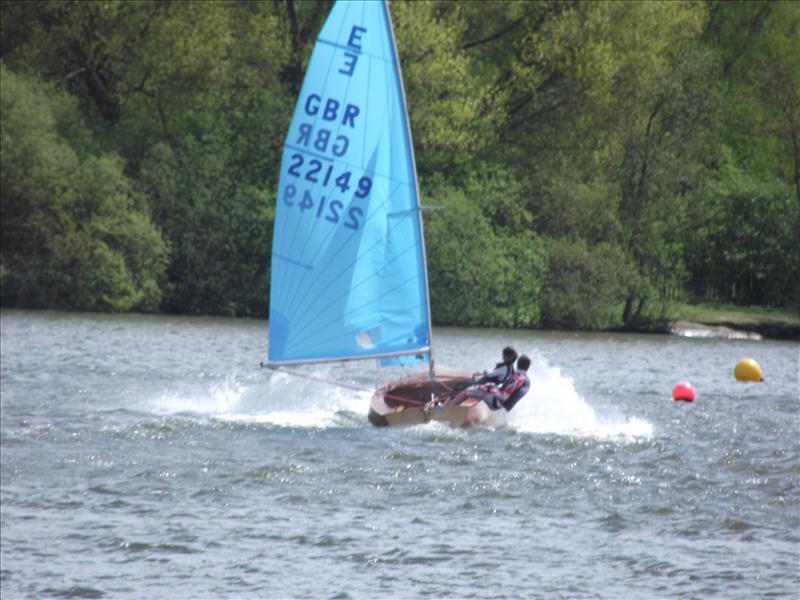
(747, 370)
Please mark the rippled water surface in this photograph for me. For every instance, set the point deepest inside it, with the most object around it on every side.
(151, 457)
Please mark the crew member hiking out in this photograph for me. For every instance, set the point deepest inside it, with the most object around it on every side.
(502, 371)
(497, 377)
(505, 396)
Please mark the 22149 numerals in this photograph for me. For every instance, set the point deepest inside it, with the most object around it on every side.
(329, 210)
(314, 172)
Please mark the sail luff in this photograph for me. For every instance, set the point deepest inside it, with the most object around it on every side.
(416, 180)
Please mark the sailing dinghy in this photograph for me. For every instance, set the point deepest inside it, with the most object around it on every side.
(348, 272)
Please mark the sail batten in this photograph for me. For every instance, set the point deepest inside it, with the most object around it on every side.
(348, 276)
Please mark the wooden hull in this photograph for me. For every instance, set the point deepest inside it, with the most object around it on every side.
(405, 404)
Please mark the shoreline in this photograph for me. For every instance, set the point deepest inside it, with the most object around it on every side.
(752, 327)
(735, 331)
(732, 322)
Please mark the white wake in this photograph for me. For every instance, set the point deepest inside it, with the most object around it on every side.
(279, 399)
(553, 405)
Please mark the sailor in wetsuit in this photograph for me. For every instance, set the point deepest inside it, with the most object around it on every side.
(502, 371)
(504, 395)
(512, 391)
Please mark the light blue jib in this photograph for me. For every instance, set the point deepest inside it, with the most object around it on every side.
(348, 275)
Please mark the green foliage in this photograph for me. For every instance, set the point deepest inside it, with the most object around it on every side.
(442, 104)
(477, 276)
(501, 197)
(759, 45)
(218, 226)
(585, 286)
(746, 245)
(596, 159)
(74, 233)
(566, 207)
(209, 160)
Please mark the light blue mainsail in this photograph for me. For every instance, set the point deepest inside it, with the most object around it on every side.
(348, 263)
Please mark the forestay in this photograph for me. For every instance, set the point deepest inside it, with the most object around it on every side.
(348, 273)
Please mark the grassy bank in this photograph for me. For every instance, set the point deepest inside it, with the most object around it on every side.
(768, 321)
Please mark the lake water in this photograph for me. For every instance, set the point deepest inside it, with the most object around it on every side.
(151, 457)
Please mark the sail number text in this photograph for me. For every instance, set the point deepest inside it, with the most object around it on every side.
(332, 111)
(314, 172)
(324, 207)
(330, 210)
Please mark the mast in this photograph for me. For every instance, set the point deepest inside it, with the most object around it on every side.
(416, 184)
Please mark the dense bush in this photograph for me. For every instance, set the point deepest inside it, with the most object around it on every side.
(74, 233)
(745, 246)
(477, 276)
(585, 286)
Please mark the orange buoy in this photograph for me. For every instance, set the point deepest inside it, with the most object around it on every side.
(683, 390)
(747, 370)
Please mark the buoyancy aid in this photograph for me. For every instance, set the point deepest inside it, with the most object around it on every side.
(499, 376)
(505, 378)
(514, 388)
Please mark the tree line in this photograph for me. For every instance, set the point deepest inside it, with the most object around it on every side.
(596, 160)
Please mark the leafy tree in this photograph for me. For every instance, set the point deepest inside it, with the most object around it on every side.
(478, 277)
(585, 286)
(74, 233)
(759, 48)
(442, 100)
(662, 111)
(88, 47)
(745, 247)
(192, 95)
(218, 226)
(212, 170)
